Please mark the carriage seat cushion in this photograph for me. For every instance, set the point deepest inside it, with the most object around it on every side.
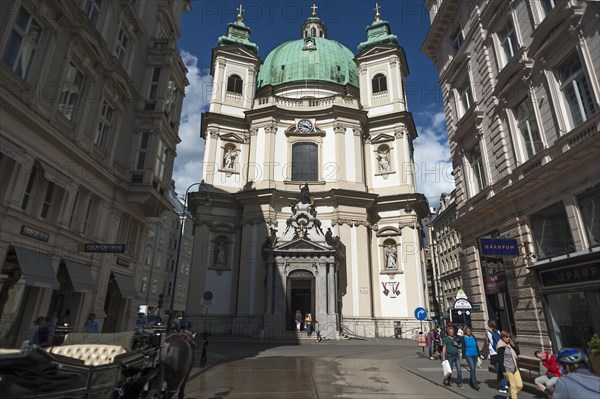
(92, 355)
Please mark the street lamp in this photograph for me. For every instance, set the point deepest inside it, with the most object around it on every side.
(182, 217)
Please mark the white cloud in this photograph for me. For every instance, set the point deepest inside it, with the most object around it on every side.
(190, 152)
(433, 163)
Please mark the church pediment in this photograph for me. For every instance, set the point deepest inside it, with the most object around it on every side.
(378, 50)
(236, 50)
(293, 131)
(231, 137)
(301, 245)
(382, 138)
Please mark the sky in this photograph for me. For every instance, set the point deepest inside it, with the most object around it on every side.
(274, 22)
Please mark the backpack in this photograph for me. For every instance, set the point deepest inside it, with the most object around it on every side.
(495, 338)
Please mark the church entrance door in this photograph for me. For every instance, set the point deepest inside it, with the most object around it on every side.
(300, 295)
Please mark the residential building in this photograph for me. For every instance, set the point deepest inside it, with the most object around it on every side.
(91, 97)
(520, 82)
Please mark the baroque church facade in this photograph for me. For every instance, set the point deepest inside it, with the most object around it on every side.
(309, 199)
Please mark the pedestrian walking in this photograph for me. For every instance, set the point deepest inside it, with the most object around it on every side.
(308, 324)
(298, 319)
(317, 329)
(508, 352)
(579, 382)
(470, 351)
(430, 340)
(492, 339)
(450, 352)
(546, 382)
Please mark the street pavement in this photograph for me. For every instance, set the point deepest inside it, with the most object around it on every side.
(353, 369)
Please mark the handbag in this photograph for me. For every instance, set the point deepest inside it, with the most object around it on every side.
(479, 361)
(446, 369)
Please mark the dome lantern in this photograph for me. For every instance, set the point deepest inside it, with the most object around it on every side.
(313, 26)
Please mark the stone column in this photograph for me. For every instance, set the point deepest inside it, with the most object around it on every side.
(331, 288)
(269, 294)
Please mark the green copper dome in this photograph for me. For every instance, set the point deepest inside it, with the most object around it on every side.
(309, 59)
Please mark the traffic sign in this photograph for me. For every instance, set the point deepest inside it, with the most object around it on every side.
(420, 313)
(207, 298)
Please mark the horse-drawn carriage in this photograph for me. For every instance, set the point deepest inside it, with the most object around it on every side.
(148, 364)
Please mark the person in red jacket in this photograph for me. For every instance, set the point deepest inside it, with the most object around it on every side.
(546, 382)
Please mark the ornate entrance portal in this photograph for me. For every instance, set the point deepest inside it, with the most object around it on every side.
(302, 273)
(300, 295)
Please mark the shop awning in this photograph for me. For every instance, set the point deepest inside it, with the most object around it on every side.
(126, 286)
(81, 277)
(36, 268)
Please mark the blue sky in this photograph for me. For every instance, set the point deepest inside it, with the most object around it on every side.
(274, 22)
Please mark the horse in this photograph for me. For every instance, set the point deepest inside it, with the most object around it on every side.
(177, 359)
(176, 354)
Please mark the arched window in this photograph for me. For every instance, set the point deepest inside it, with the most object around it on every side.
(313, 32)
(234, 84)
(379, 83)
(305, 162)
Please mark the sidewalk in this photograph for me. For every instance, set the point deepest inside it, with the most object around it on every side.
(431, 370)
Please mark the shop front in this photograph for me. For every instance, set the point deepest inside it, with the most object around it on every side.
(571, 294)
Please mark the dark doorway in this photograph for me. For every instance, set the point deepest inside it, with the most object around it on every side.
(113, 305)
(300, 296)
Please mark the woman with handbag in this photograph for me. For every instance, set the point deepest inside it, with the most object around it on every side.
(508, 352)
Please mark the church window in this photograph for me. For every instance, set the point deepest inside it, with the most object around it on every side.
(305, 162)
(234, 84)
(313, 32)
(379, 83)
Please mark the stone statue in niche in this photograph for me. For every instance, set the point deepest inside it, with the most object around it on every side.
(384, 161)
(221, 254)
(390, 257)
(228, 159)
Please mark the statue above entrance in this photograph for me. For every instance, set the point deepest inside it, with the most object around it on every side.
(305, 195)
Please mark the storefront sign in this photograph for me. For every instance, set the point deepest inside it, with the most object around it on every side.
(499, 247)
(34, 233)
(578, 274)
(122, 262)
(105, 248)
(462, 304)
(495, 283)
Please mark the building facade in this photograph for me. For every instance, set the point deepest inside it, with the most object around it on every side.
(91, 98)
(445, 245)
(522, 100)
(309, 158)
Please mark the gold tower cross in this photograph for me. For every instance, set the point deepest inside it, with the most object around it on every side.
(377, 15)
(240, 17)
(314, 10)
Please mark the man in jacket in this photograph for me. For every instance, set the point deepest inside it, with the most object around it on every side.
(578, 382)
